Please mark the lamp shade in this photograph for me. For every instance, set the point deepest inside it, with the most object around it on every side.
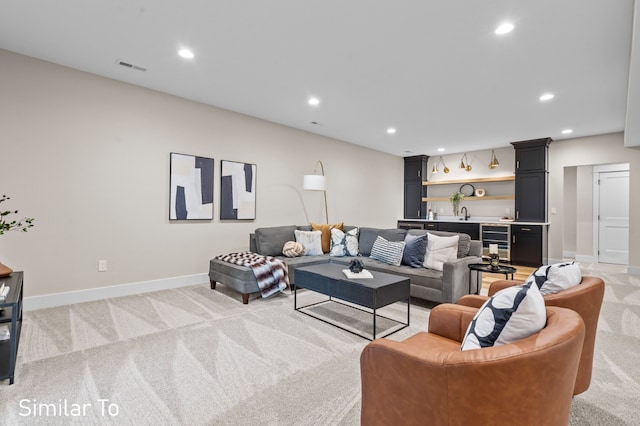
(314, 182)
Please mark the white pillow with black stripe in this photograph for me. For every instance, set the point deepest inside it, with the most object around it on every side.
(509, 315)
(387, 251)
(554, 278)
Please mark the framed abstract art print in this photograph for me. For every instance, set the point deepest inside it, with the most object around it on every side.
(237, 191)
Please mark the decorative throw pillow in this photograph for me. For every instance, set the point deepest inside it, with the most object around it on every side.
(464, 245)
(415, 247)
(387, 251)
(509, 315)
(344, 243)
(368, 237)
(293, 249)
(440, 250)
(326, 233)
(311, 240)
(556, 277)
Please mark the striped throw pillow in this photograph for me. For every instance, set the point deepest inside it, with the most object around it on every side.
(387, 251)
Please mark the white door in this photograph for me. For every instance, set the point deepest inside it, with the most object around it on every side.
(613, 213)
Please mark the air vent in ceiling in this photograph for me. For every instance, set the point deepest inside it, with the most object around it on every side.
(128, 65)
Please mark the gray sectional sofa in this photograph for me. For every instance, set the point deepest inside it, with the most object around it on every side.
(445, 286)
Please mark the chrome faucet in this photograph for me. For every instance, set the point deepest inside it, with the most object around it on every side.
(465, 212)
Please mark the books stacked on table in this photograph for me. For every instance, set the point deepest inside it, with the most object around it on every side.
(362, 274)
(4, 291)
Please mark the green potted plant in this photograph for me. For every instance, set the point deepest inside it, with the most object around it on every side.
(7, 224)
(455, 199)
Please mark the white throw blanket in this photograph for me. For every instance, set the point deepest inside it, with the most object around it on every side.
(271, 274)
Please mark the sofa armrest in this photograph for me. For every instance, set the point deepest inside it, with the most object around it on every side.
(455, 278)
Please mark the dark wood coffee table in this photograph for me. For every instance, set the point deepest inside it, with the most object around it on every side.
(372, 293)
(486, 267)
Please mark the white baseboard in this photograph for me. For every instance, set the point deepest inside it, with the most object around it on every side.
(586, 259)
(633, 270)
(569, 254)
(67, 298)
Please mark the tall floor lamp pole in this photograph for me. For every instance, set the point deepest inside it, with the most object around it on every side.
(317, 182)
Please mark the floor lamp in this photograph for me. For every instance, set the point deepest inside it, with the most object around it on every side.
(317, 182)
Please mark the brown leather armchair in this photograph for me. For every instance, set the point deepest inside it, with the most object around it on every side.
(585, 299)
(427, 379)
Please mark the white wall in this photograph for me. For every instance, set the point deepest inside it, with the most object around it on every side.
(570, 212)
(589, 151)
(583, 219)
(88, 157)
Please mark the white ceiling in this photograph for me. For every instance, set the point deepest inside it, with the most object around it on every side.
(434, 70)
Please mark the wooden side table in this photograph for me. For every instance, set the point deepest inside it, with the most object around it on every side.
(485, 267)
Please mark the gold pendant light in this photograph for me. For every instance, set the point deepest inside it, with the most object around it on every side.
(494, 160)
(467, 166)
(434, 169)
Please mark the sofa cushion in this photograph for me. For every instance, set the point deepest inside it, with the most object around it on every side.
(556, 277)
(311, 240)
(344, 243)
(464, 240)
(270, 241)
(326, 233)
(387, 251)
(440, 250)
(415, 247)
(368, 237)
(509, 315)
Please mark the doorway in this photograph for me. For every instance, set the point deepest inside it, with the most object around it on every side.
(611, 213)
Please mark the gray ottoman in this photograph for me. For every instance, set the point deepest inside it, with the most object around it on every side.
(239, 278)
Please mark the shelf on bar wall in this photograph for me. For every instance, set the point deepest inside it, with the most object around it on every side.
(463, 181)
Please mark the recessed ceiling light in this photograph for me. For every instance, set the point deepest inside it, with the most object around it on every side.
(504, 28)
(567, 131)
(440, 149)
(547, 97)
(391, 130)
(314, 101)
(186, 53)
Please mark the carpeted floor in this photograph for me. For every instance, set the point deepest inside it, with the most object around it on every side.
(199, 357)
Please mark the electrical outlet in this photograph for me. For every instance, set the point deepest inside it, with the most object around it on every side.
(102, 265)
(441, 210)
(507, 210)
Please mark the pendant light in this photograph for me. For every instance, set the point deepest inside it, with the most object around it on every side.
(494, 160)
(467, 166)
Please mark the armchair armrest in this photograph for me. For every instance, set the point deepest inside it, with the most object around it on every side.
(450, 320)
(472, 300)
(496, 286)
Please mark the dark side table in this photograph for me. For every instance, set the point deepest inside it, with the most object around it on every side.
(485, 267)
(11, 317)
